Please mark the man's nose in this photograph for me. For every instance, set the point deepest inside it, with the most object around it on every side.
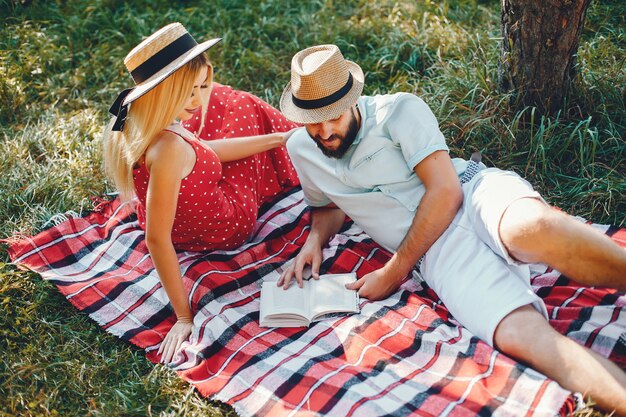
(325, 130)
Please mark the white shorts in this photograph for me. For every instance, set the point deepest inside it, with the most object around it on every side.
(468, 266)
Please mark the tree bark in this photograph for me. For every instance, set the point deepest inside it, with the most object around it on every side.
(539, 43)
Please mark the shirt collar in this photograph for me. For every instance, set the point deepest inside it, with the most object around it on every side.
(361, 109)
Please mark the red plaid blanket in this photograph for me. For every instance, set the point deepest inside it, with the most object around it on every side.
(401, 356)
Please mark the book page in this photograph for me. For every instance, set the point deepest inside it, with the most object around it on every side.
(276, 300)
(329, 294)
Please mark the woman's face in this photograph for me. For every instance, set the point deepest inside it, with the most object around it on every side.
(201, 87)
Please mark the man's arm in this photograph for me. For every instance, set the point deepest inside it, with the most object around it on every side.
(325, 223)
(434, 214)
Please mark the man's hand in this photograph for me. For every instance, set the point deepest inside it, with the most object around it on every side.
(325, 222)
(377, 285)
(310, 254)
(174, 339)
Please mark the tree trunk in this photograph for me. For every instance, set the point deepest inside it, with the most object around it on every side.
(539, 44)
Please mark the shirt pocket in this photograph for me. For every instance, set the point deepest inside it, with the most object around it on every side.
(408, 193)
(381, 165)
(363, 159)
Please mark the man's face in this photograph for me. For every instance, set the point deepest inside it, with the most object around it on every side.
(334, 137)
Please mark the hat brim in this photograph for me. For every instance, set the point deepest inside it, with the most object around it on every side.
(150, 83)
(330, 112)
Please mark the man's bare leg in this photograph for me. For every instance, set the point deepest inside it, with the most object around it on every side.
(535, 232)
(525, 335)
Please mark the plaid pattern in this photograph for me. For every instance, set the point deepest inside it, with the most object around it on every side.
(401, 356)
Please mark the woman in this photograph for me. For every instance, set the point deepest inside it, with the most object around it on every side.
(192, 194)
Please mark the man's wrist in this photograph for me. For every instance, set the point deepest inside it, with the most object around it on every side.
(315, 239)
(396, 268)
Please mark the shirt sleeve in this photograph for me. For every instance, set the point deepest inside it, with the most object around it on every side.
(298, 148)
(413, 126)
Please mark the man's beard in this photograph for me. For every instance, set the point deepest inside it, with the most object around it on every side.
(345, 141)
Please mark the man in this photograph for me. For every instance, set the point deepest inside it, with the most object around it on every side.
(384, 162)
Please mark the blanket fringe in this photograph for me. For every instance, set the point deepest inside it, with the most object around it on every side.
(93, 204)
(575, 402)
(60, 218)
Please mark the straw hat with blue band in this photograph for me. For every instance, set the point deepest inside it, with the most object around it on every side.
(323, 85)
(153, 60)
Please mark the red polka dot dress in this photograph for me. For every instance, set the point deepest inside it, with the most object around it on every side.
(218, 202)
(231, 114)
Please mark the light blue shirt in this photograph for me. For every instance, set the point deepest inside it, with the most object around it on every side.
(374, 182)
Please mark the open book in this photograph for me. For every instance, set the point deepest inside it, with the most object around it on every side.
(316, 300)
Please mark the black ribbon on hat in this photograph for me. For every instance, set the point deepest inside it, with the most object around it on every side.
(163, 58)
(146, 70)
(324, 101)
(119, 110)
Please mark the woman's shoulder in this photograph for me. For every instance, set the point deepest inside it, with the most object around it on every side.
(169, 147)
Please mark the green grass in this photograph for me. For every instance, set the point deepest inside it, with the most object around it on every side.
(61, 66)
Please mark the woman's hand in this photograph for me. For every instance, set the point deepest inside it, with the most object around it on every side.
(286, 135)
(174, 339)
(234, 149)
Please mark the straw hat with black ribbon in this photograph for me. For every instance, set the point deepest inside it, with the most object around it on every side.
(153, 60)
(323, 85)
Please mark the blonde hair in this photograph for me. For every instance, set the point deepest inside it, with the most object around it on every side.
(148, 116)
